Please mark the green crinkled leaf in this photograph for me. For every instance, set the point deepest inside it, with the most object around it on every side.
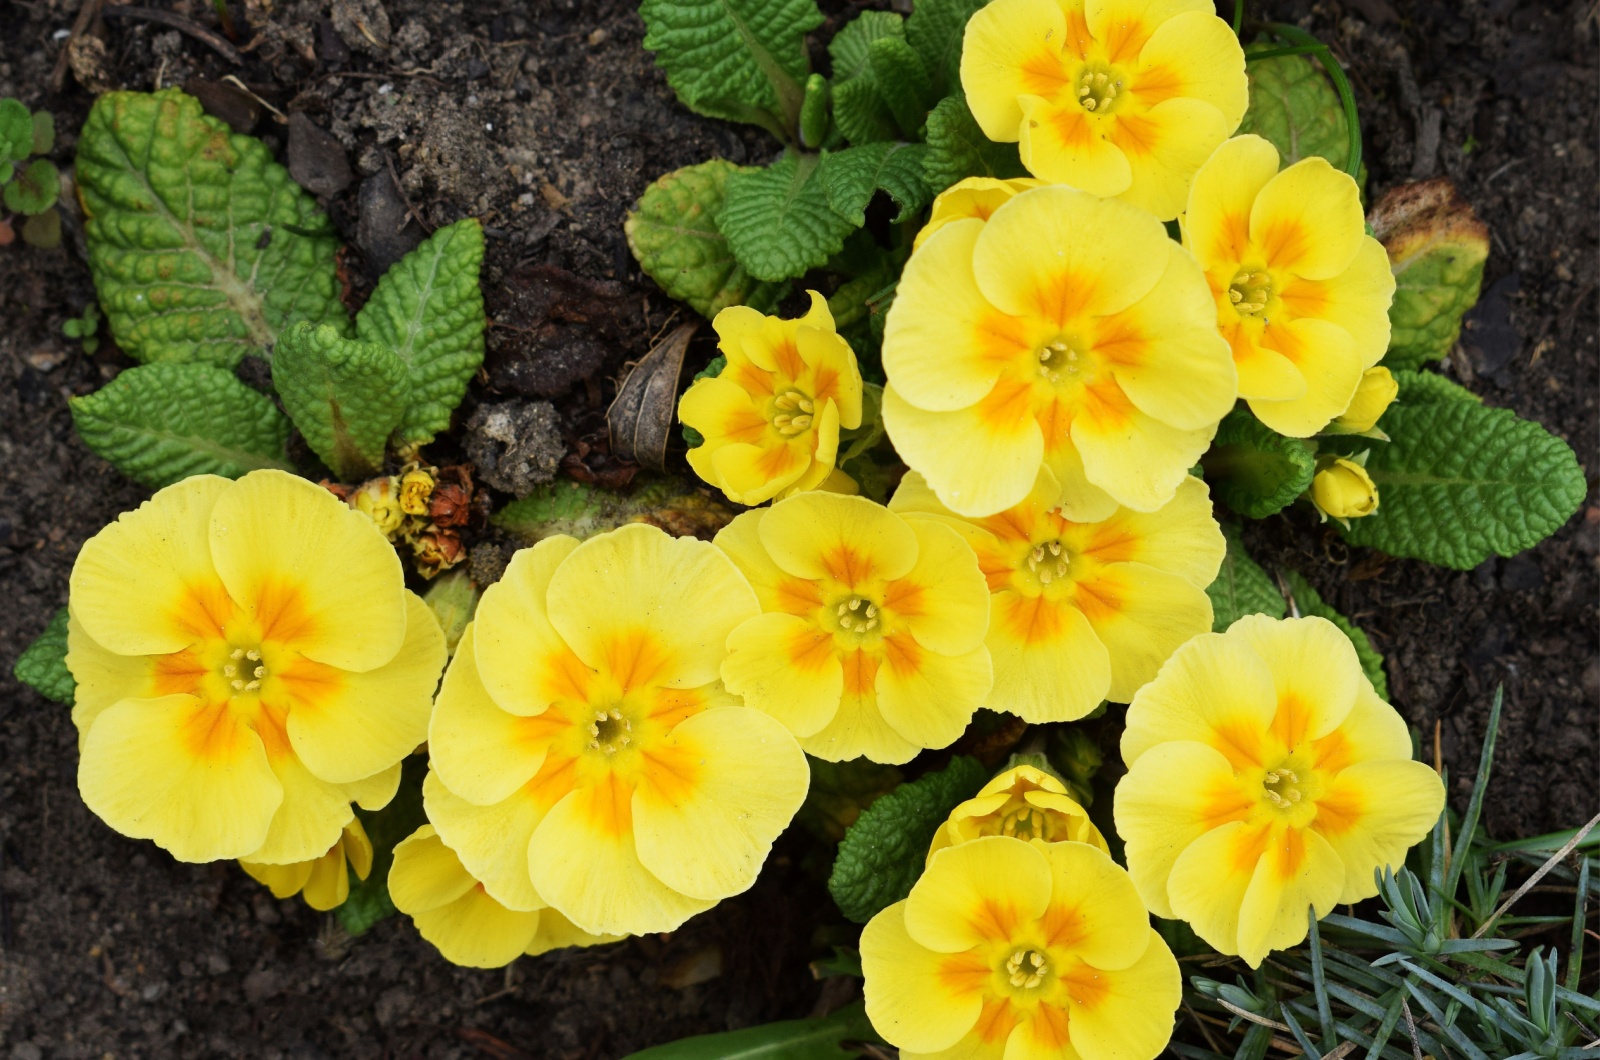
(1241, 587)
(778, 221)
(16, 130)
(861, 113)
(1437, 248)
(1425, 388)
(1310, 602)
(850, 177)
(159, 423)
(1293, 105)
(904, 83)
(428, 309)
(369, 900)
(1460, 482)
(35, 189)
(1255, 470)
(883, 853)
(43, 664)
(201, 245)
(936, 29)
(346, 396)
(957, 148)
(850, 47)
(674, 236)
(742, 60)
(820, 1038)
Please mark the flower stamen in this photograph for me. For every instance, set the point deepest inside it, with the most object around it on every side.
(1026, 969)
(857, 614)
(1250, 291)
(793, 412)
(1098, 90)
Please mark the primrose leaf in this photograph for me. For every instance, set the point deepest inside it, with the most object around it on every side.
(936, 29)
(1437, 248)
(957, 148)
(35, 189)
(883, 853)
(1293, 106)
(1241, 587)
(850, 48)
(428, 309)
(674, 236)
(742, 60)
(1426, 388)
(346, 396)
(16, 130)
(819, 1038)
(778, 221)
(1254, 469)
(851, 176)
(201, 246)
(859, 108)
(582, 511)
(159, 423)
(43, 664)
(903, 81)
(1310, 602)
(1460, 482)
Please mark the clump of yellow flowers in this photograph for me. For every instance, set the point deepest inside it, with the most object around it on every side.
(248, 662)
(1297, 783)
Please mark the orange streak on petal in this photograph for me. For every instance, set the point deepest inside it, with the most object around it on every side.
(1100, 600)
(1085, 985)
(1249, 846)
(903, 654)
(635, 658)
(1030, 619)
(787, 357)
(1135, 134)
(996, 1022)
(1288, 854)
(1049, 1026)
(906, 598)
(563, 675)
(610, 807)
(1007, 410)
(798, 596)
(1105, 406)
(271, 724)
(1292, 721)
(860, 673)
(754, 381)
(825, 384)
(964, 973)
(993, 920)
(1239, 743)
(1333, 753)
(211, 731)
(203, 609)
(744, 425)
(671, 773)
(556, 777)
(1043, 74)
(1339, 813)
(280, 611)
(847, 566)
(309, 685)
(810, 649)
(182, 671)
(676, 704)
(1001, 339)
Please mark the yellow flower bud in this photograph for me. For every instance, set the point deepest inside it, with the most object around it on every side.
(1373, 397)
(378, 499)
(416, 488)
(1342, 489)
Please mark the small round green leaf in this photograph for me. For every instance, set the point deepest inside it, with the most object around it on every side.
(35, 189)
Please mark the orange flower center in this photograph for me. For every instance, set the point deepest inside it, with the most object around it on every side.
(792, 412)
(1099, 87)
(1027, 969)
(1250, 291)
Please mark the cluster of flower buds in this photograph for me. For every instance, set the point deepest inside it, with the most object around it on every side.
(422, 508)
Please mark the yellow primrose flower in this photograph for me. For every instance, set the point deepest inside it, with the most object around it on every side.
(248, 662)
(1067, 332)
(1122, 98)
(1302, 292)
(1342, 489)
(1265, 776)
(323, 882)
(453, 911)
(976, 197)
(1082, 612)
(1024, 803)
(1374, 394)
(871, 637)
(1009, 949)
(585, 755)
(771, 420)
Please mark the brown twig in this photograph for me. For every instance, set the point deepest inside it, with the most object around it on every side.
(1411, 1028)
(388, 160)
(87, 11)
(216, 42)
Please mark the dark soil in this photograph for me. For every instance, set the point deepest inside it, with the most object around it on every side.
(547, 120)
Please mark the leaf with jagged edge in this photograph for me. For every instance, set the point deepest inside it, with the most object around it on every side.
(853, 175)
(43, 664)
(1425, 388)
(883, 853)
(859, 108)
(741, 60)
(201, 246)
(850, 48)
(673, 234)
(957, 148)
(1310, 602)
(159, 423)
(936, 30)
(1241, 587)
(1293, 106)
(1255, 470)
(1459, 482)
(428, 309)
(778, 221)
(346, 396)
